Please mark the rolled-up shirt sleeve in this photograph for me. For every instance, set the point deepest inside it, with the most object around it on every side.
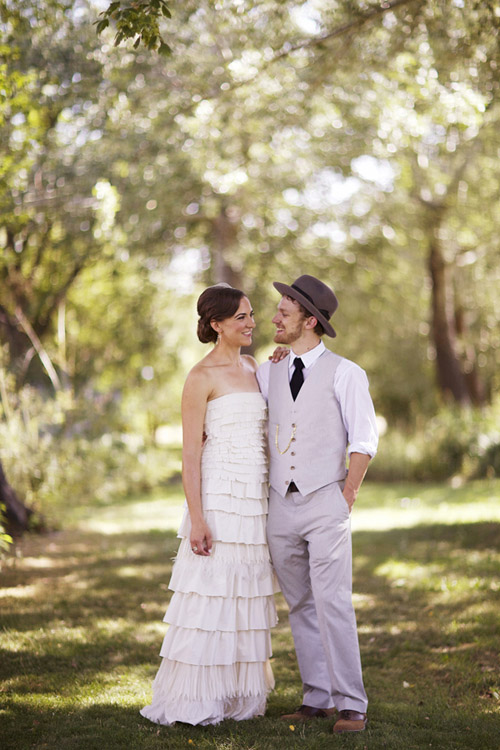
(358, 413)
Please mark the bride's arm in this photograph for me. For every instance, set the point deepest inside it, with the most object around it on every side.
(194, 404)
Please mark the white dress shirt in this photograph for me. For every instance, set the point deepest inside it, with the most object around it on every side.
(351, 389)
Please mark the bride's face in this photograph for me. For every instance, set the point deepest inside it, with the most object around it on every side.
(238, 329)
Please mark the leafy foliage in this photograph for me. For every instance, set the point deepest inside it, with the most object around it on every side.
(137, 20)
(453, 444)
(356, 142)
(257, 159)
(5, 539)
(65, 452)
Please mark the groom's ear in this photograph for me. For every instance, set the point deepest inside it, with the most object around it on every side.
(311, 322)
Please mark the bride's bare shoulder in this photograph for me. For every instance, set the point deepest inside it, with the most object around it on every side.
(197, 377)
(250, 362)
(200, 381)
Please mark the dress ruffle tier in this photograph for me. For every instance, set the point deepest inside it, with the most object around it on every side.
(215, 655)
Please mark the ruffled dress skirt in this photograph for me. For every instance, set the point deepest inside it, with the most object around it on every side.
(215, 655)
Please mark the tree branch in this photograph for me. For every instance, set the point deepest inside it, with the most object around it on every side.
(466, 153)
(361, 20)
(288, 49)
(61, 294)
(42, 246)
(40, 350)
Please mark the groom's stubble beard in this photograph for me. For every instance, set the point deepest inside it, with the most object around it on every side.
(288, 337)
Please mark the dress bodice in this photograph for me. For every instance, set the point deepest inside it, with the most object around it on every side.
(235, 422)
(234, 457)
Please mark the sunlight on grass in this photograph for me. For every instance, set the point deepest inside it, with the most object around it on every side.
(40, 562)
(15, 592)
(163, 513)
(394, 506)
(401, 573)
(391, 518)
(389, 507)
(82, 626)
(436, 575)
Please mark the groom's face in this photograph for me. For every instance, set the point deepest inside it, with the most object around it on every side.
(289, 321)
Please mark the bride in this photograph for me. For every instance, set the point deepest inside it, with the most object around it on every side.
(215, 655)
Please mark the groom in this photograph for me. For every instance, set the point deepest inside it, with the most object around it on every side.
(319, 409)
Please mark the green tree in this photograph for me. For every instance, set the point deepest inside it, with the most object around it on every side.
(280, 138)
(354, 141)
(72, 316)
(411, 86)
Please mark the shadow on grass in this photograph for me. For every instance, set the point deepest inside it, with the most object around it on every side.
(108, 725)
(83, 612)
(429, 616)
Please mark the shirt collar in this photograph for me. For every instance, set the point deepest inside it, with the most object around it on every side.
(309, 358)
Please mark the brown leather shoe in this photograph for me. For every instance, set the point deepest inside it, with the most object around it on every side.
(350, 721)
(305, 713)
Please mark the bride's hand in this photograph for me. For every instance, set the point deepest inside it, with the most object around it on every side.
(279, 353)
(200, 539)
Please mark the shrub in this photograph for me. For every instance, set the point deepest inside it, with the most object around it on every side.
(60, 452)
(465, 442)
(5, 539)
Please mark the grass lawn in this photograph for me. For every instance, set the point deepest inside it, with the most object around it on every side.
(81, 617)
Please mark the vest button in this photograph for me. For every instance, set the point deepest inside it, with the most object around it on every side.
(294, 425)
(292, 467)
(293, 440)
(293, 453)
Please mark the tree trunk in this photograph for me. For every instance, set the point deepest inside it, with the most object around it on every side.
(451, 379)
(225, 231)
(475, 384)
(17, 514)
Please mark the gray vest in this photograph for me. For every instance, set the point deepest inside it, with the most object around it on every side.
(307, 437)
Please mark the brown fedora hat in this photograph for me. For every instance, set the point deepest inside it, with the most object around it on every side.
(316, 297)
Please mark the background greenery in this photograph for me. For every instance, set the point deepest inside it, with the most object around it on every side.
(354, 141)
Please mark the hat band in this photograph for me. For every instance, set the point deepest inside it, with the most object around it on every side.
(324, 313)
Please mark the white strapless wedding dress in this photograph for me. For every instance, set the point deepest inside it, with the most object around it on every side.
(216, 651)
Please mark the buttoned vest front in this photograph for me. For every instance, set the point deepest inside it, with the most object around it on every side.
(307, 437)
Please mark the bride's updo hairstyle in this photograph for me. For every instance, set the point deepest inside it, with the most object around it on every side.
(216, 303)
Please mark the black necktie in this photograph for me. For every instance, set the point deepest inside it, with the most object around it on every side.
(297, 377)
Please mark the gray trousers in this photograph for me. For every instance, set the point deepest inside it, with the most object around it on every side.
(310, 543)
